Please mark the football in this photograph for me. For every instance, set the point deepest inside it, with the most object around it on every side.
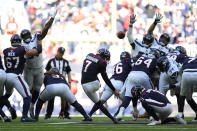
(121, 34)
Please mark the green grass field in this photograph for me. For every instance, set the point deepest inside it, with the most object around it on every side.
(98, 124)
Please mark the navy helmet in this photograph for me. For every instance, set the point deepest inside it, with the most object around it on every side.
(15, 40)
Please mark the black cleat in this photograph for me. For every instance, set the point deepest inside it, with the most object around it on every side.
(115, 121)
(13, 113)
(27, 119)
(47, 117)
(67, 117)
(87, 119)
(7, 119)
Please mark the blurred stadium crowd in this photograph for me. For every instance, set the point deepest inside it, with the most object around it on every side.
(83, 26)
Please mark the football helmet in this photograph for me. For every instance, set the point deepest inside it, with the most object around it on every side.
(163, 64)
(164, 39)
(125, 55)
(26, 35)
(104, 53)
(15, 40)
(148, 40)
(181, 50)
(137, 90)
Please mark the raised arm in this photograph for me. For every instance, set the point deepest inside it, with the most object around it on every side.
(48, 24)
(130, 30)
(153, 25)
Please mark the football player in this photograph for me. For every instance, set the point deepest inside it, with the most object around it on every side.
(142, 69)
(33, 71)
(14, 58)
(92, 66)
(56, 85)
(120, 73)
(2, 82)
(188, 83)
(155, 104)
(137, 45)
(164, 39)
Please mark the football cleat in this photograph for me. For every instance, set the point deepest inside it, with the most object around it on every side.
(180, 120)
(7, 119)
(115, 121)
(87, 119)
(27, 119)
(47, 117)
(154, 123)
(13, 113)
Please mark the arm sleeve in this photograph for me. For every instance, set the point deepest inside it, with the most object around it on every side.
(107, 81)
(130, 37)
(48, 66)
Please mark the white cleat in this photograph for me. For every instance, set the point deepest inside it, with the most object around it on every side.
(180, 120)
(119, 116)
(154, 123)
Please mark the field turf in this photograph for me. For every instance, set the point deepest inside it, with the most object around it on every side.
(98, 124)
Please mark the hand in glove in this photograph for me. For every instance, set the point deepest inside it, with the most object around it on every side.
(158, 18)
(53, 11)
(132, 20)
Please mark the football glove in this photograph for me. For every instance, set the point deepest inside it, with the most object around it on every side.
(158, 18)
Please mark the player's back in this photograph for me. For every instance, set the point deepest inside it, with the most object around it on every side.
(154, 97)
(14, 59)
(122, 69)
(145, 64)
(92, 66)
(53, 79)
(190, 63)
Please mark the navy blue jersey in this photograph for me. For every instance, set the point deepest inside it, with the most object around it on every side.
(53, 79)
(92, 66)
(178, 58)
(153, 97)
(1, 65)
(122, 69)
(14, 59)
(145, 64)
(190, 63)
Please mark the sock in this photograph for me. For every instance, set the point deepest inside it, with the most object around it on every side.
(38, 108)
(105, 111)
(80, 109)
(167, 120)
(192, 104)
(50, 107)
(94, 108)
(126, 101)
(35, 95)
(181, 103)
(117, 112)
(26, 106)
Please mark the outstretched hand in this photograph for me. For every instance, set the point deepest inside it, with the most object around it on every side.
(53, 11)
(158, 18)
(132, 19)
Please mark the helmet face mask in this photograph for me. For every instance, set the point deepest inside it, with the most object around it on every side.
(15, 40)
(104, 53)
(163, 64)
(164, 39)
(26, 35)
(125, 55)
(148, 40)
